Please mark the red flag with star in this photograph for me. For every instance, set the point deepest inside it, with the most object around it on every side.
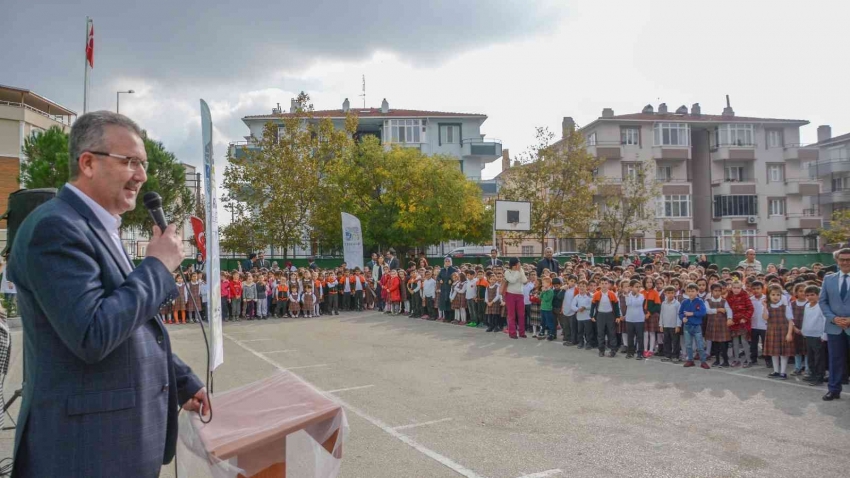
(90, 46)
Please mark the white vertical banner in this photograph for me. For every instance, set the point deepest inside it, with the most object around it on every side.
(213, 263)
(352, 241)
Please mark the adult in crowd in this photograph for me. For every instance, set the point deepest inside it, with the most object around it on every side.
(199, 266)
(444, 281)
(262, 262)
(494, 261)
(249, 263)
(835, 305)
(751, 261)
(392, 260)
(373, 262)
(377, 273)
(275, 266)
(616, 260)
(548, 262)
(311, 264)
(649, 258)
(515, 279)
(102, 386)
(703, 262)
(684, 261)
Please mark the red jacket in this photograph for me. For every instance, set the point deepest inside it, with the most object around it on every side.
(235, 289)
(742, 310)
(393, 289)
(225, 289)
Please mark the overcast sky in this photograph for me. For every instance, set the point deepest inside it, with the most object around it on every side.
(522, 63)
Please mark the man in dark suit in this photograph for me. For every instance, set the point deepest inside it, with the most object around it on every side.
(392, 261)
(548, 262)
(102, 386)
(835, 305)
(494, 261)
(262, 262)
(249, 263)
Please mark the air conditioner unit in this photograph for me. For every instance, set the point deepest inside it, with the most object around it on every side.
(752, 220)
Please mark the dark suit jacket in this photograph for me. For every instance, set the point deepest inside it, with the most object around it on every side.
(102, 387)
(552, 264)
(491, 262)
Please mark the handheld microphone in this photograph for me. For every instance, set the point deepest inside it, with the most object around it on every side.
(153, 202)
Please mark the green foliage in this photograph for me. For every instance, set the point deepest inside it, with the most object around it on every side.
(46, 166)
(558, 180)
(47, 160)
(627, 207)
(402, 197)
(839, 228)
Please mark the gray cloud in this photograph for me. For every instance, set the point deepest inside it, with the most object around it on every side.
(241, 42)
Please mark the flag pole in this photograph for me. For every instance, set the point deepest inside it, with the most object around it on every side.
(86, 67)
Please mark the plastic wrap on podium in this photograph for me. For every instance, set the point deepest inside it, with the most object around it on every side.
(277, 427)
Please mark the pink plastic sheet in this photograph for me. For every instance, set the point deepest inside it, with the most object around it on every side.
(281, 419)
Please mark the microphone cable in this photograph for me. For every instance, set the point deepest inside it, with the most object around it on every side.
(208, 374)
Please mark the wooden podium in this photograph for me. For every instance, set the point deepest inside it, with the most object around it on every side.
(255, 431)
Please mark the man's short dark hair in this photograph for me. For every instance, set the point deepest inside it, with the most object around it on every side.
(87, 135)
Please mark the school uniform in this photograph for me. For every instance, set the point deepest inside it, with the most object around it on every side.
(194, 292)
(620, 327)
(494, 306)
(235, 299)
(181, 298)
(635, 319)
(282, 299)
(583, 321)
(798, 311)
(294, 298)
(346, 293)
(775, 345)
(429, 292)
(813, 331)
(357, 282)
(669, 321)
(571, 331)
(604, 309)
(469, 293)
(533, 317)
(308, 299)
(262, 301)
(716, 329)
(249, 300)
(369, 295)
(481, 286)
(758, 328)
(333, 297)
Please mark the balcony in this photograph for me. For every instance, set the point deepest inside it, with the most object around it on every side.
(799, 152)
(237, 149)
(729, 187)
(733, 152)
(606, 150)
(802, 187)
(834, 197)
(825, 167)
(808, 219)
(671, 153)
(488, 150)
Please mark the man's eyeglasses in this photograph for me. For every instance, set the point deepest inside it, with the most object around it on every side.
(133, 163)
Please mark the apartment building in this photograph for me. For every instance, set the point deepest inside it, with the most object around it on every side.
(22, 114)
(832, 167)
(725, 181)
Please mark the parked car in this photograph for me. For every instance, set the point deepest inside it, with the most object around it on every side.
(470, 251)
(655, 250)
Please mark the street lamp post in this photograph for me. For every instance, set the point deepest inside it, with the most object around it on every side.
(118, 99)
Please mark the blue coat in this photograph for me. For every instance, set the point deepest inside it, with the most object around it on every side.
(102, 387)
(831, 304)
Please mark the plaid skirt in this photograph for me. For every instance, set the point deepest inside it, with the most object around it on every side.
(308, 303)
(620, 327)
(716, 329)
(534, 315)
(294, 307)
(651, 324)
(799, 340)
(777, 328)
(458, 302)
(494, 309)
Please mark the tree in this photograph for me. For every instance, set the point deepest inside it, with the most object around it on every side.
(626, 207)
(274, 186)
(558, 179)
(402, 197)
(839, 228)
(46, 166)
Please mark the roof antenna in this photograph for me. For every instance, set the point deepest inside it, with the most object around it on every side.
(363, 95)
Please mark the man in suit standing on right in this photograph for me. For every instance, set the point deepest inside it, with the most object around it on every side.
(835, 305)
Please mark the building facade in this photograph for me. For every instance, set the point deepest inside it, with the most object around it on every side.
(725, 181)
(23, 113)
(456, 135)
(832, 167)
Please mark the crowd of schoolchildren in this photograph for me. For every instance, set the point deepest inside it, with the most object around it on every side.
(681, 314)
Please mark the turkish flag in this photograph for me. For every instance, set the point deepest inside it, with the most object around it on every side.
(90, 47)
(200, 235)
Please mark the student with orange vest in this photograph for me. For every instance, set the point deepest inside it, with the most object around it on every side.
(603, 310)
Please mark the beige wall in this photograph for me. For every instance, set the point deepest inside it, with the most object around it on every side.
(10, 138)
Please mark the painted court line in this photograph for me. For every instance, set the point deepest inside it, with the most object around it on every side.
(256, 340)
(543, 474)
(307, 366)
(414, 425)
(349, 388)
(443, 460)
(277, 351)
(742, 373)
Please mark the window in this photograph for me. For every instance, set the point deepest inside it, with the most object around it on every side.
(672, 134)
(728, 240)
(664, 173)
(636, 243)
(527, 251)
(741, 205)
(775, 173)
(840, 184)
(631, 170)
(778, 242)
(735, 173)
(405, 131)
(776, 207)
(734, 135)
(679, 240)
(630, 136)
(774, 138)
(591, 139)
(449, 134)
(676, 205)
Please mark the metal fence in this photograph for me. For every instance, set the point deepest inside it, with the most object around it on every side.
(739, 243)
